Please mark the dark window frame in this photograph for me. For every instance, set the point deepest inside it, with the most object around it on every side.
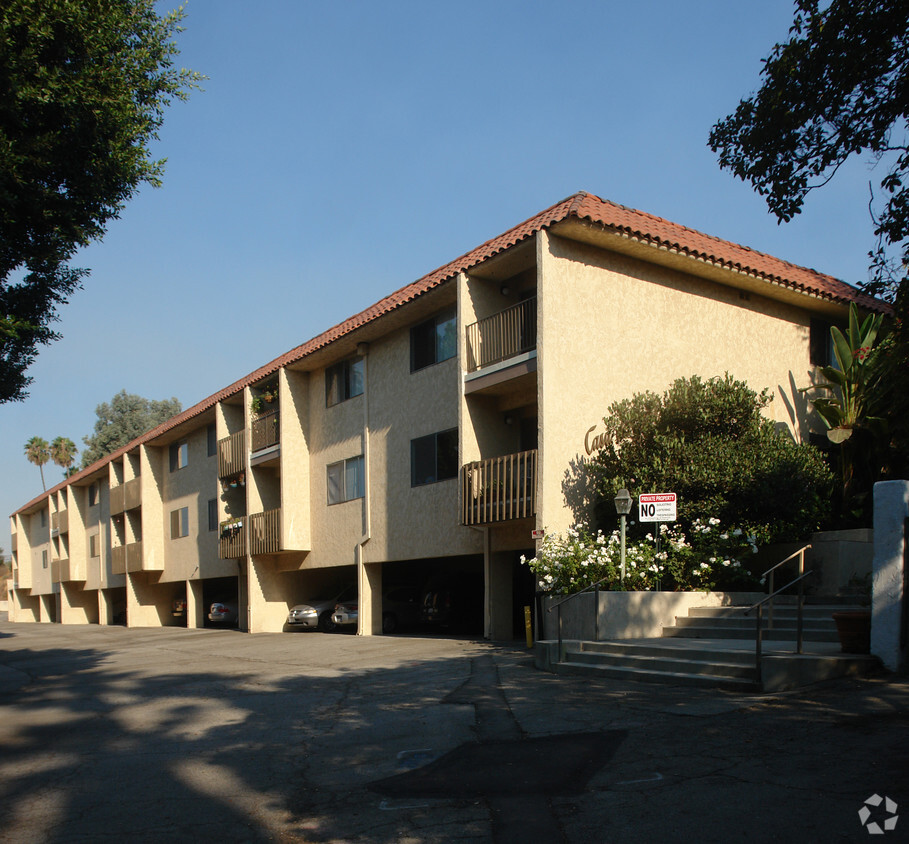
(213, 521)
(212, 434)
(179, 455)
(344, 380)
(439, 448)
(428, 341)
(342, 483)
(179, 523)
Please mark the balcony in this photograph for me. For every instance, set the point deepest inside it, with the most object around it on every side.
(265, 532)
(118, 559)
(504, 335)
(232, 454)
(126, 496)
(134, 558)
(63, 571)
(232, 539)
(499, 489)
(265, 430)
(126, 558)
(60, 521)
(14, 542)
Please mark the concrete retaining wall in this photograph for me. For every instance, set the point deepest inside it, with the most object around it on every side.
(630, 615)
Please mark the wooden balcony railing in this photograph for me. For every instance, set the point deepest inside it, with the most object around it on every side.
(118, 559)
(503, 335)
(232, 540)
(499, 489)
(60, 521)
(265, 532)
(265, 430)
(14, 542)
(232, 455)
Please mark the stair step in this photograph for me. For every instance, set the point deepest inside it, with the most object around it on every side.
(781, 632)
(672, 664)
(785, 611)
(750, 622)
(679, 678)
(656, 649)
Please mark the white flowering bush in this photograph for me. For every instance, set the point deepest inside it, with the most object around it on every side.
(709, 556)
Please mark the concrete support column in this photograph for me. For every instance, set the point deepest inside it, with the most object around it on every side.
(369, 585)
(142, 602)
(266, 593)
(499, 609)
(195, 605)
(105, 607)
(48, 608)
(77, 606)
(888, 580)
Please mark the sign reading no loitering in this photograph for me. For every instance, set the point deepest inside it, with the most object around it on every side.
(657, 507)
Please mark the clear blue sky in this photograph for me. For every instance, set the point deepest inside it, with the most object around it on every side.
(342, 150)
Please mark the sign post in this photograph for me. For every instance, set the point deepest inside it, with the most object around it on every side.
(657, 507)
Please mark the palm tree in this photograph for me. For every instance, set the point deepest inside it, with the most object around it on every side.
(37, 451)
(63, 453)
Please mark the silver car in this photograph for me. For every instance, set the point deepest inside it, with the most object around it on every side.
(317, 612)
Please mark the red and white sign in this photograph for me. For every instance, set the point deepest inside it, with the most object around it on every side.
(537, 534)
(657, 507)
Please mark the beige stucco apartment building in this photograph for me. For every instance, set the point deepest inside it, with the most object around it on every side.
(426, 437)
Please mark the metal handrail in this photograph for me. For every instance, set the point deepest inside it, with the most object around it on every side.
(800, 553)
(798, 624)
(596, 610)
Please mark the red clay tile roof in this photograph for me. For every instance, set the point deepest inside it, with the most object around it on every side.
(582, 206)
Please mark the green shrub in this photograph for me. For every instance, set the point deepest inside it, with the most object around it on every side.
(707, 441)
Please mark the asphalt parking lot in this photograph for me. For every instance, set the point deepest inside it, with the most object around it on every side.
(208, 735)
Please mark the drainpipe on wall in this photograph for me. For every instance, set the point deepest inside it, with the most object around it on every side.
(363, 351)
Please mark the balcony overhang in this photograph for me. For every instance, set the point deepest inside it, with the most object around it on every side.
(490, 378)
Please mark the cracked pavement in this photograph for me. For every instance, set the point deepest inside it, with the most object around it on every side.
(209, 735)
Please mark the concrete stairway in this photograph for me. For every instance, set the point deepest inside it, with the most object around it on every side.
(732, 623)
(650, 661)
(715, 647)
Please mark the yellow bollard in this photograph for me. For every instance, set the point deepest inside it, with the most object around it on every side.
(527, 628)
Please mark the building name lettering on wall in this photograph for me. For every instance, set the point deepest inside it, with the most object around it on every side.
(592, 444)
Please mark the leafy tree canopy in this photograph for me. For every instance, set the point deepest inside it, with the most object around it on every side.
(708, 442)
(125, 418)
(83, 88)
(839, 86)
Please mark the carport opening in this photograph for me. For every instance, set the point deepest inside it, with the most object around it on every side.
(439, 595)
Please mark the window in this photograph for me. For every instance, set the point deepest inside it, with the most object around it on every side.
(179, 523)
(212, 440)
(820, 343)
(343, 381)
(213, 514)
(94, 545)
(179, 455)
(93, 495)
(346, 480)
(44, 518)
(433, 341)
(44, 559)
(434, 458)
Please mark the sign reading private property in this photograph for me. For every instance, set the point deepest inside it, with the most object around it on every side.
(657, 507)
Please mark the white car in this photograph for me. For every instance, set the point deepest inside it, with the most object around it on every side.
(317, 612)
(224, 613)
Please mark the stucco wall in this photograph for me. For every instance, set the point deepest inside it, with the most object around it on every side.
(611, 326)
